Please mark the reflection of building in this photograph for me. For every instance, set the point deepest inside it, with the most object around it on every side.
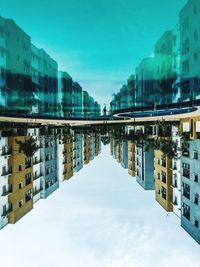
(91, 146)
(38, 164)
(86, 149)
(65, 93)
(3, 96)
(124, 154)
(131, 158)
(97, 144)
(190, 190)
(190, 58)
(144, 83)
(144, 166)
(20, 180)
(49, 182)
(163, 177)
(68, 156)
(17, 56)
(78, 152)
(165, 69)
(5, 186)
(176, 173)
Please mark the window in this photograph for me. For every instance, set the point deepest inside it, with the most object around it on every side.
(195, 155)
(20, 203)
(196, 199)
(20, 167)
(186, 211)
(196, 224)
(196, 178)
(20, 185)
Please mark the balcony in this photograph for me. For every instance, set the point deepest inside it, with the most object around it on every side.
(6, 151)
(35, 162)
(28, 164)
(37, 191)
(28, 181)
(28, 197)
(37, 176)
(7, 212)
(6, 191)
(174, 183)
(186, 173)
(7, 171)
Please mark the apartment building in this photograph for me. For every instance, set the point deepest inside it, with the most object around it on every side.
(86, 145)
(190, 189)
(131, 158)
(50, 181)
(176, 172)
(68, 155)
(78, 153)
(5, 186)
(163, 178)
(37, 163)
(144, 166)
(124, 154)
(20, 180)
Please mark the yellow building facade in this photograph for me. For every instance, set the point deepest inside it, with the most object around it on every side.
(131, 158)
(163, 178)
(21, 181)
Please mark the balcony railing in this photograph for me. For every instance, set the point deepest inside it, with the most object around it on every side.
(6, 152)
(7, 191)
(37, 161)
(37, 191)
(7, 171)
(7, 212)
(174, 183)
(37, 176)
(28, 181)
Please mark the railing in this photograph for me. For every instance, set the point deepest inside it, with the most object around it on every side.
(37, 161)
(37, 176)
(6, 152)
(28, 181)
(6, 191)
(7, 171)
(7, 212)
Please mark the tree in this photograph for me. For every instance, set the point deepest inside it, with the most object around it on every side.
(28, 147)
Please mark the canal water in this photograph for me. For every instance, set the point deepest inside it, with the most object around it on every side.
(99, 217)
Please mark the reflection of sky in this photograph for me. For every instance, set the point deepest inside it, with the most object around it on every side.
(100, 218)
(99, 42)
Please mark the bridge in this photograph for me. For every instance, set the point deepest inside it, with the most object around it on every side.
(167, 112)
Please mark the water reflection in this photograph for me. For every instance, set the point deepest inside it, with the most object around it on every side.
(34, 161)
(162, 156)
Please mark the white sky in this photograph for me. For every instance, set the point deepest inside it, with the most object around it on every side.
(100, 218)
